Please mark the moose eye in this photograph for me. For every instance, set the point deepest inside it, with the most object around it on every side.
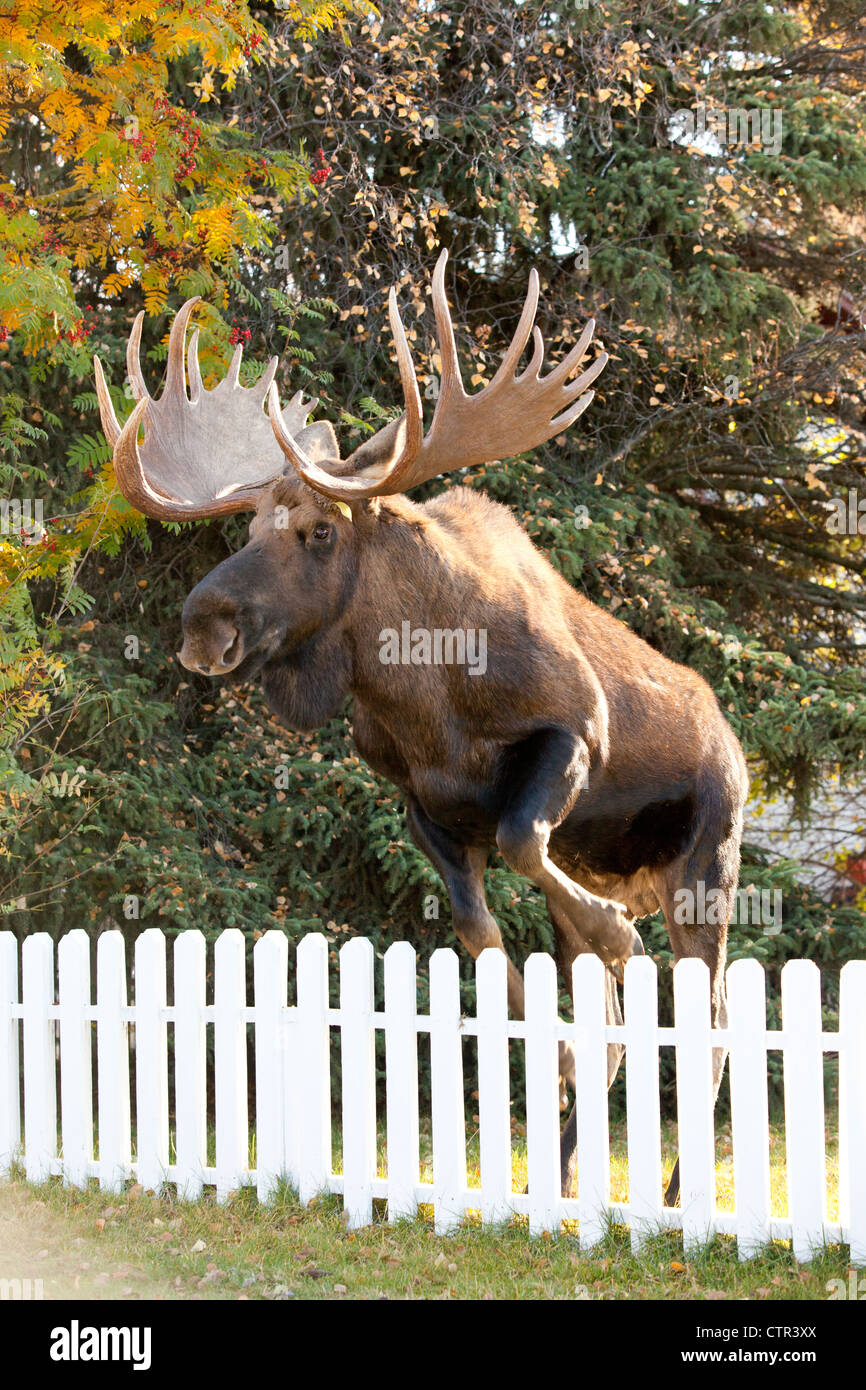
(321, 532)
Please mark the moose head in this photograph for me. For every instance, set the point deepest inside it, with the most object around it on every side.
(208, 453)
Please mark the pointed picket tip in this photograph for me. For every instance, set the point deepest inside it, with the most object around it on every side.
(359, 948)
(745, 967)
(640, 968)
(491, 966)
(692, 968)
(401, 951)
(229, 936)
(444, 966)
(313, 947)
(588, 967)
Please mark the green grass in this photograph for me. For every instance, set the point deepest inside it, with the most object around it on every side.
(285, 1250)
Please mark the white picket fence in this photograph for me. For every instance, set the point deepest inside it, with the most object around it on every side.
(293, 1084)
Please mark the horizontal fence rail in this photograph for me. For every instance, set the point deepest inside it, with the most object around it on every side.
(51, 1021)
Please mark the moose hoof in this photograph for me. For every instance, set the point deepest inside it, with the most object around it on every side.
(616, 965)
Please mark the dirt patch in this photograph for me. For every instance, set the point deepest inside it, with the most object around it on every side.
(37, 1243)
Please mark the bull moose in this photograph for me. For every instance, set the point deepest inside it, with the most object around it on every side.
(603, 772)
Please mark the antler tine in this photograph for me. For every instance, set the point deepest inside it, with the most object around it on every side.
(508, 365)
(568, 364)
(574, 411)
(231, 377)
(263, 385)
(175, 377)
(196, 386)
(413, 419)
(452, 380)
(298, 403)
(133, 361)
(110, 422)
(533, 367)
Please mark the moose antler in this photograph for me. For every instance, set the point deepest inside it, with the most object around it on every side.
(209, 453)
(206, 453)
(511, 414)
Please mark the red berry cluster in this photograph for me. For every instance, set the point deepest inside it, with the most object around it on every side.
(240, 335)
(51, 242)
(83, 327)
(4, 333)
(155, 252)
(322, 170)
(252, 44)
(190, 136)
(145, 152)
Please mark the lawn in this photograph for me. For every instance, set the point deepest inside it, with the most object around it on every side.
(135, 1244)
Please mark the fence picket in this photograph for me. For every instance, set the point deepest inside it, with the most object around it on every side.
(804, 1105)
(10, 1100)
(230, 1062)
(312, 1120)
(747, 1027)
(401, 1080)
(852, 1106)
(593, 1140)
(40, 1075)
(542, 1094)
(695, 1102)
(270, 980)
(76, 1061)
(642, 1099)
(494, 1086)
(112, 1063)
(151, 1060)
(446, 1084)
(190, 1063)
(358, 1055)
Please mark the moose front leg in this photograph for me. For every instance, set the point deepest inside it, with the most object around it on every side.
(462, 869)
(545, 778)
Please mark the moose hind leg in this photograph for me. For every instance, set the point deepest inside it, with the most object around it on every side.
(706, 940)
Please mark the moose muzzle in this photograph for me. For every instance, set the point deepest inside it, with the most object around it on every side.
(212, 647)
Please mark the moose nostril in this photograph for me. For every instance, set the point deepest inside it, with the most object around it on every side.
(231, 652)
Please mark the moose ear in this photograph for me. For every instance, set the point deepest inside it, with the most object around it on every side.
(373, 458)
(319, 442)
